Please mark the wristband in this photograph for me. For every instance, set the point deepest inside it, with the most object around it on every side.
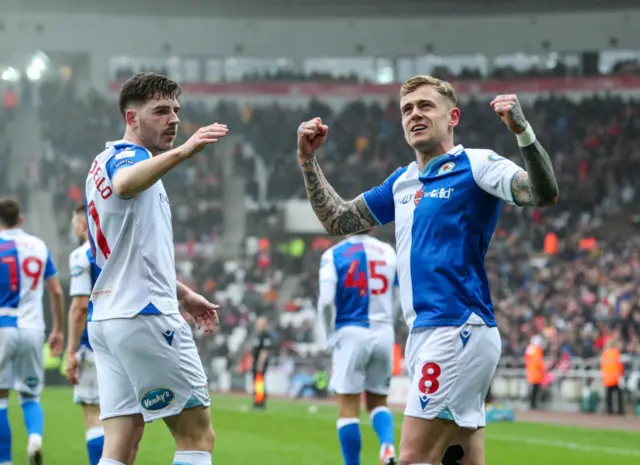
(527, 137)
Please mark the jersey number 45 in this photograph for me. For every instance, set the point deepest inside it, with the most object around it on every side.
(359, 279)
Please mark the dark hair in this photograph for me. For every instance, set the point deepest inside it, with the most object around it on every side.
(9, 211)
(80, 208)
(143, 87)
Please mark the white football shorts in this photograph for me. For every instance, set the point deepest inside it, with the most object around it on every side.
(147, 365)
(451, 369)
(22, 360)
(86, 391)
(362, 359)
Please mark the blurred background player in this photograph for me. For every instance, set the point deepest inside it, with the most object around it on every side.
(356, 315)
(445, 206)
(25, 268)
(146, 358)
(80, 366)
(262, 345)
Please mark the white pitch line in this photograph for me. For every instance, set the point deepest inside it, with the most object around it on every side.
(566, 445)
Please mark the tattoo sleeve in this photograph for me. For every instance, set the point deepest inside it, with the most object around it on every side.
(338, 216)
(537, 186)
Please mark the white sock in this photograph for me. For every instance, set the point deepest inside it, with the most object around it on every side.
(104, 461)
(94, 432)
(191, 458)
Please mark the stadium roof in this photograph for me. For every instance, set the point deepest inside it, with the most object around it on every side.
(312, 10)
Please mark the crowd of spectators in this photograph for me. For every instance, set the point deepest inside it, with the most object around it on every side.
(565, 272)
(537, 69)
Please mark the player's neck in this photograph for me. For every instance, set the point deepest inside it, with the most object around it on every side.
(425, 156)
(132, 137)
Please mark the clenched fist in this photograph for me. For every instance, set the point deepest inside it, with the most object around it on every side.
(311, 136)
(509, 110)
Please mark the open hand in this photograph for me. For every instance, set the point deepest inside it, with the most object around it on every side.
(203, 312)
(203, 137)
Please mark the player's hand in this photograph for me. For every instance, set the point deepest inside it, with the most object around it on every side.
(311, 136)
(509, 110)
(55, 343)
(203, 137)
(203, 312)
(71, 368)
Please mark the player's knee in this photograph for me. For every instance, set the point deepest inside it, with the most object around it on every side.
(198, 439)
(408, 457)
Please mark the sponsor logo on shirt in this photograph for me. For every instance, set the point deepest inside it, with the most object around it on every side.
(76, 271)
(125, 154)
(417, 197)
(441, 193)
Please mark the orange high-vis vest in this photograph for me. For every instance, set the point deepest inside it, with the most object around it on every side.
(611, 368)
(534, 364)
(398, 360)
(551, 244)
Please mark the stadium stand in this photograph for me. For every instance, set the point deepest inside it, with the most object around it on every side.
(576, 295)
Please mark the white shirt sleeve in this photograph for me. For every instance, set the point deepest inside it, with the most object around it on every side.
(328, 280)
(493, 173)
(80, 269)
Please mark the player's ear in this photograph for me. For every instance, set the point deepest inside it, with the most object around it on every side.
(130, 117)
(20, 220)
(454, 117)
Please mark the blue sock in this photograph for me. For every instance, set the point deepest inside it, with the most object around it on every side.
(5, 432)
(95, 443)
(350, 440)
(382, 422)
(33, 416)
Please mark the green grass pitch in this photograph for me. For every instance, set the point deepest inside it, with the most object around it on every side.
(289, 434)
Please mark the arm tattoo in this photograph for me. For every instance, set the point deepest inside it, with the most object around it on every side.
(538, 186)
(338, 216)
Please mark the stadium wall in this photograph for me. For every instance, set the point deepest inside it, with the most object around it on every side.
(103, 36)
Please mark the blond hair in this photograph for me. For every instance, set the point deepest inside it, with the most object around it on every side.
(442, 87)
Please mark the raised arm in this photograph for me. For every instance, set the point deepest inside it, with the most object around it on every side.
(338, 216)
(133, 171)
(537, 185)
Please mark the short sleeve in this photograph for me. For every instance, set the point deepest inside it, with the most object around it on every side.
(125, 157)
(50, 268)
(80, 268)
(493, 173)
(327, 268)
(379, 199)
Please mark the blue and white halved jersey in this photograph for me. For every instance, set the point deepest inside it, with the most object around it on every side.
(357, 279)
(25, 265)
(444, 220)
(84, 273)
(131, 240)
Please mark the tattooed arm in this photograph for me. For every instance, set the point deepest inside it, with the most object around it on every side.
(537, 185)
(338, 216)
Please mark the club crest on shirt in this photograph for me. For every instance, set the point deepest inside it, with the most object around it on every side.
(494, 157)
(446, 168)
